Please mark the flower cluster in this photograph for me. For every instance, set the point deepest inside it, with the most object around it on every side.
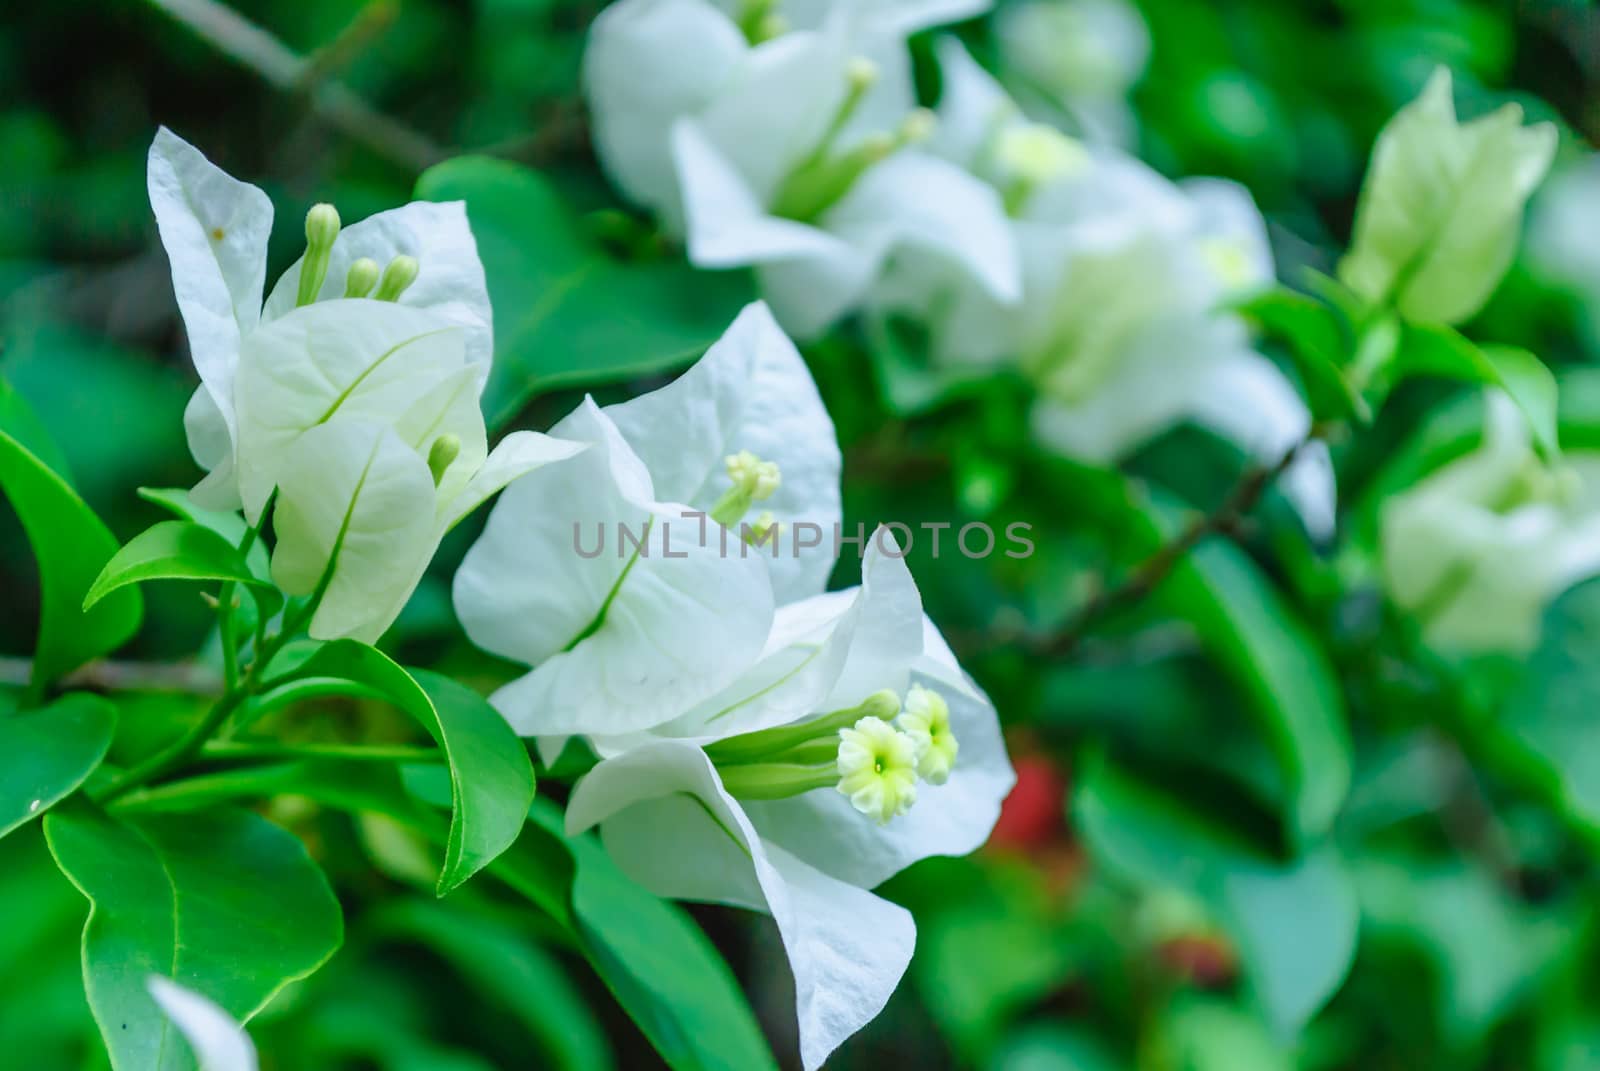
(1475, 551)
(762, 742)
(800, 149)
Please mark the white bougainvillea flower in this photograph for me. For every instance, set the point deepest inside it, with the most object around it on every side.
(1079, 57)
(751, 393)
(629, 614)
(361, 507)
(1440, 211)
(798, 818)
(734, 469)
(1560, 248)
(1476, 550)
(1124, 274)
(217, 1041)
(794, 154)
(353, 393)
(215, 230)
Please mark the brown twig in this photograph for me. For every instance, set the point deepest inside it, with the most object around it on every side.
(251, 46)
(1148, 575)
(109, 676)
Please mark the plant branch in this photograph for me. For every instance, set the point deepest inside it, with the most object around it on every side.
(275, 752)
(1149, 574)
(251, 46)
(111, 676)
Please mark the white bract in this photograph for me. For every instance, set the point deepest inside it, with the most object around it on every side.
(359, 412)
(793, 792)
(793, 150)
(1562, 223)
(1124, 274)
(1441, 208)
(1476, 550)
(218, 1042)
(1080, 57)
(641, 577)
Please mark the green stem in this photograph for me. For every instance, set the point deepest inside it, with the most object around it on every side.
(227, 599)
(766, 743)
(276, 752)
(776, 780)
(179, 751)
(300, 691)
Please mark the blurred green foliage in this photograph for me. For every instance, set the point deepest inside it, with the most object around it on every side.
(1257, 826)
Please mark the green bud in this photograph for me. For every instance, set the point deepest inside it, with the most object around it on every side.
(401, 273)
(322, 228)
(862, 74)
(443, 453)
(777, 780)
(362, 277)
(1440, 209)
(788, 743)
(884, 704)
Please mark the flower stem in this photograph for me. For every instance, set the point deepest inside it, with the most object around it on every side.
(273, 751)
(1149, 574)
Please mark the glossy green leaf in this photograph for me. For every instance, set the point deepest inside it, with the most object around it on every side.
(1294, 922)
(566, 310)
(222, 901)
(1254, 634)
(1206, 1034)
(491, 776)
(1486, 949)
(171, 550)
(70, 543)
(1318, 342)
(659, 965)
(45, 754)
(1443, 352)
(512, 973)
(1548, 725)
(230, 526)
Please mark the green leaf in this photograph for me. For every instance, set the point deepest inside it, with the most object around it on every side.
(172, 550)
(1487, 949)
(1256, 637)
(1206, 1034)
(490, 774)
(1318, 341)
(223, 901)
(566, 310)
(45, 754)
(1294, 922)
(659, 965)
(69, 542)
(910, 384)
(1448, 354)
(514, 974)
(1548, 726)
(230, 526)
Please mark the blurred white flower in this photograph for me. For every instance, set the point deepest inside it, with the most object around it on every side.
(1081, 57)
(1562, 222)
(785, 137)
(217, 1041)
(1121, 327)
(1440, 212)
(630, 627)
(1476, 550)
(792, 793)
